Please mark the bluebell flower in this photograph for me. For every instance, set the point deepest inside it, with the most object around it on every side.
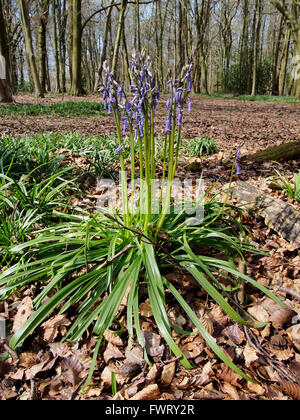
(168, 105)
(118, 150)
(125, 126)
(237, 162)
(168, 125)
(179, 122)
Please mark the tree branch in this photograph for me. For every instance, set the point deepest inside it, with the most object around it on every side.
(109, 7)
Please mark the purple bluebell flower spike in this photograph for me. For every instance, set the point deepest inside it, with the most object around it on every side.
(237, 162)
(118, 150)
(179, 96)
(168, 125)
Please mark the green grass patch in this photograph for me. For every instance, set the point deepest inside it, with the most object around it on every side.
(266, 98)
(258, 98)
(45, 154)
(203, 147)
(63, 109)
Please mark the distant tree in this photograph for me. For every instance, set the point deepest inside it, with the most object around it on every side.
(256, 44)
(76, 82)
(5, 82)
(29, 47)
(290, 9)
(42, 42)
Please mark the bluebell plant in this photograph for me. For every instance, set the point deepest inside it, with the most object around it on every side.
(135, 116)
(96, 261)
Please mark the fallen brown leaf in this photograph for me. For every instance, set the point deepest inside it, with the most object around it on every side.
(73, 368)
(113, 338)
(25, 310)
(291, 389)
(282, 317)
(250, 355)
(151, 392)
(259, 313)
(235, 334)
(168, 374)
(152, 344)
(51, 327)
(112, 352)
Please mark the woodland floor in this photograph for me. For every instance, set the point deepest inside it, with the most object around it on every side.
(48, 369)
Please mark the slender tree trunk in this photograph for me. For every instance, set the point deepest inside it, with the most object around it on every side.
(76, 87)
(48, 79)
(29, 48)
(296, 62)
(62, 22)
(258, 7)
(181, 39)
(291, 14)
(126, 58)
(104, 47)
(284, 62)
(244, 51)
(42, 43)
(62, 43)
(70, 37)
(119, 35)
(55, 46)
(275, 88)
(5, 82)
(137, 40)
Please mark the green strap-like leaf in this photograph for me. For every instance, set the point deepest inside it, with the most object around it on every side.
(207, 337)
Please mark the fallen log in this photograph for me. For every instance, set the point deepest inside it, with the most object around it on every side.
(279, 215)
(286, 151)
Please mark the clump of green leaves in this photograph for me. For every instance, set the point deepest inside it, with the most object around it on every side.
(203, 147)
(45, 154)
(27, 204)
(92, 261)
(63, 109)
(290, 185)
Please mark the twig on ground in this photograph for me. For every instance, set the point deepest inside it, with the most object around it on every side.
(278, 366)
(288, 291)
(168, 362)
(11, 352)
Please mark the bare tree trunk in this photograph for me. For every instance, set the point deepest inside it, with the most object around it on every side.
(119, 35)
(104, 47)
(244, 51)
(62, 23)
(258, 10)
(55, 46)
(291, 15)
(137, 40)
(48, 79)
(5, 82)
(284, 62)
(29, 48)
(275, 88)
(126, 58)
(296, 62)
(202, 16)
(76, 86)
(70, 37)
(42, 42)
(181, 39)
